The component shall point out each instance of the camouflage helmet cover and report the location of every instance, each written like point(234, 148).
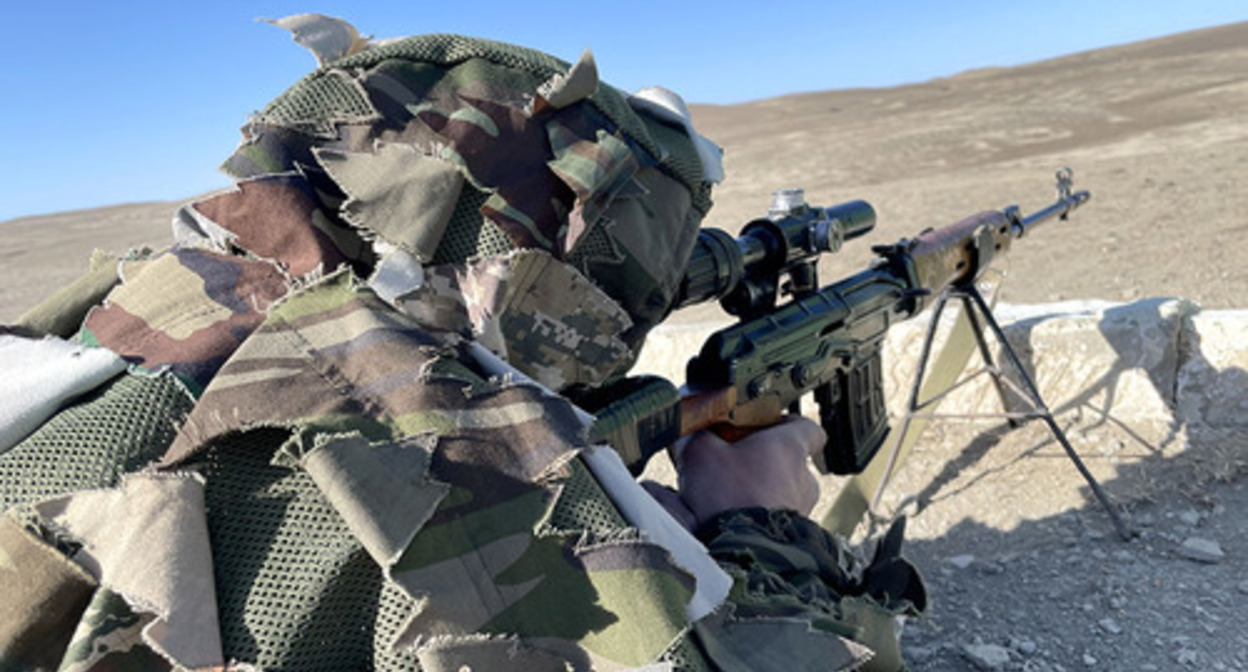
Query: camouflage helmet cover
point(506, 194)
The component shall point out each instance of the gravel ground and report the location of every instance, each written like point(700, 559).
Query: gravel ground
point(1064, 591)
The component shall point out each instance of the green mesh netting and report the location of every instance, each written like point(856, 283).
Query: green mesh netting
point(295, 590)
point(117, 428)
point(583, 506)
point(470, 233)
point(681, 160)
point(595, 245)
point(686, 656)
point(313, 104)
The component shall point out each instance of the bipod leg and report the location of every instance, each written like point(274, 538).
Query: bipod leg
point(1033, 394)
point(972, 308)
point(913, 404)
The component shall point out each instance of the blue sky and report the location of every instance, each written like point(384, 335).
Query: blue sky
point(118, 102)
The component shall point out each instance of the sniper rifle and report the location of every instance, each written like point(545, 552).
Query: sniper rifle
point(824, 341)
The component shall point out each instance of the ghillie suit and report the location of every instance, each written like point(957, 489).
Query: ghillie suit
point(274, 446)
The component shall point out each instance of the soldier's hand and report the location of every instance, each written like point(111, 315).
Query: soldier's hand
point(769, 468)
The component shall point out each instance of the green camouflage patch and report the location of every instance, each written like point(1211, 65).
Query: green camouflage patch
point(381, 490)
point(109, 638)
point(400, 194)
point(621, 572)
point(638, 252)
point(546, 319)
point(62, 313)
point(751, 645)
point(596, 171)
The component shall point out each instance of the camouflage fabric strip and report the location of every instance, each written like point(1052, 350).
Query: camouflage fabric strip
point(272, 217)
point(269, 149)
point(402, 195)
point(749, 645)
point(437, 302)
point(187, 310)
point(44, 594)
point(462, 113)
point(456, 654)
point(62, 313)
point(620, 572)
point(382, 490)
point(595, 171)
point(147, 540)
point(276, 379)
point(638, 251)
point(535, 311)
point(109, 638)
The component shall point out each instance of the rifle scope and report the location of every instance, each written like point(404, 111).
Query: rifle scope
point(744, 272)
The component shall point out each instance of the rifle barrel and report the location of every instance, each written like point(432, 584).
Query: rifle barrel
point(1066, 203)
point(1059, 209)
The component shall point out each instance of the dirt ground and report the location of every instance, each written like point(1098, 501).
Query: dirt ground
point(1024, 568)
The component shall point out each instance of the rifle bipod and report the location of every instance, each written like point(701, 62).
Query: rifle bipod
point(979, 314)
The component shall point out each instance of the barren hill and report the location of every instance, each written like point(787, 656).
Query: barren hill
point(1157, 130)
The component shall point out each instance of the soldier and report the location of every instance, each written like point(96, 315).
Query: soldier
point(324, 430)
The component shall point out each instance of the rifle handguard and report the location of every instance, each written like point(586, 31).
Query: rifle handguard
point(637, 416)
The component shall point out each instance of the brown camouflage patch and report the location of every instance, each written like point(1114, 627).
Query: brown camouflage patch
point(273, 217)
point(187, 310)
point(44, 595)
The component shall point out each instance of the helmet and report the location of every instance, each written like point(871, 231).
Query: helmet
point(495, 191)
